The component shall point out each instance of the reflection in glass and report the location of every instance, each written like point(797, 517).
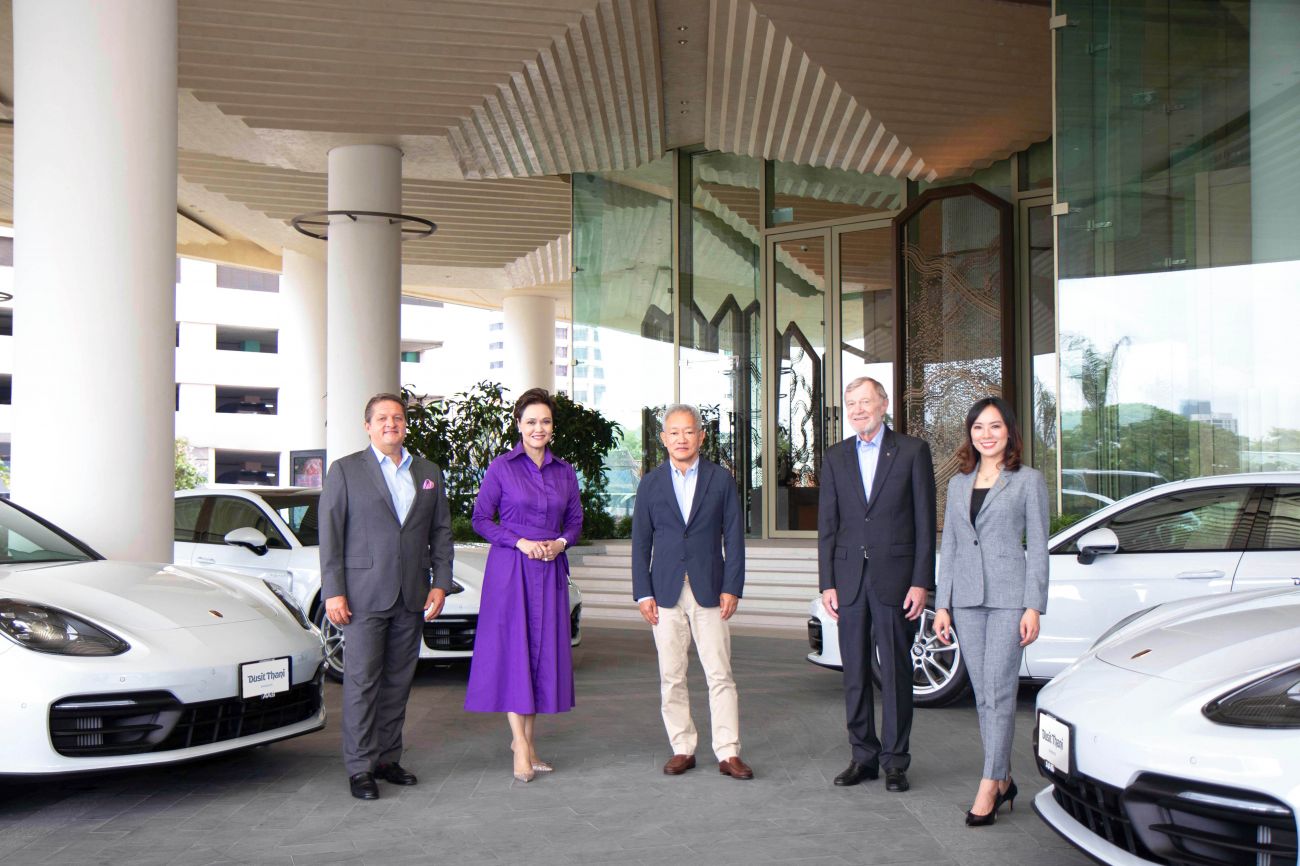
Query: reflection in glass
point(808, 194)
point(622, 309)
point(867, 307)
point(799, 359)
point(721, 317)
point(954, 253)
point(1178, 257)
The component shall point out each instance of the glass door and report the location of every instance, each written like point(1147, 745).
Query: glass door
point(832, 309)
point(799, 398)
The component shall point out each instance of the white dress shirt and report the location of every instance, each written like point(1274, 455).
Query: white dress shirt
point(401, 484)
point(868, 457)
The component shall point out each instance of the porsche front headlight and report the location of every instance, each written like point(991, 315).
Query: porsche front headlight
point(1272, 702)
point(290, 604)
point(47, 629)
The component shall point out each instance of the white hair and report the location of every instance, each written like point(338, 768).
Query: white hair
point(865, 380)
point(687, 408)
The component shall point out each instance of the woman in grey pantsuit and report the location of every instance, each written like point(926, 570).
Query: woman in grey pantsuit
point(994, 587)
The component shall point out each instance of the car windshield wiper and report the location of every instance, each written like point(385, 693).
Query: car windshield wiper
point(12, 561)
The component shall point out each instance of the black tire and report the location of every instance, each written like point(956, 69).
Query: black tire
point(938, 671)
point(333, 644)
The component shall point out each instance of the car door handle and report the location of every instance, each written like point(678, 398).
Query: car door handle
point(205, 560)
point(1199, 575)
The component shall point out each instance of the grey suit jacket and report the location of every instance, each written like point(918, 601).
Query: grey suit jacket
point(985, 564)
point(369, 556)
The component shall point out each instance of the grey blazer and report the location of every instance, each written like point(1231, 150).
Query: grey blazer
point(365, 553)
point(984, 565)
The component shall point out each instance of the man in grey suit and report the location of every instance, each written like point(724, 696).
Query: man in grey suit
point(385, 528)
point(875, 564)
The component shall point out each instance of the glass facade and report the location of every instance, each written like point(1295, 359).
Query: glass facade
point(623, 311)
point(803, 194)
point(1179, 285)
point(721, 314)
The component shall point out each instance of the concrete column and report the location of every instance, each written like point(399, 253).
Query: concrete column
point(1274, 101)
point(302, 353)
point(530, 343)
point(95, 298)
point(363, 302)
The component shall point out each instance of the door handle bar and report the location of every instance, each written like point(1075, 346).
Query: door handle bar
point(1199, 575)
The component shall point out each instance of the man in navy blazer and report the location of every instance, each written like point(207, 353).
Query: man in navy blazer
point(875, 565)
point(688, 573)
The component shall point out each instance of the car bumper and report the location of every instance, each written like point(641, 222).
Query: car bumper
point(1080, 836)
point(823, 638)
point(180, 682)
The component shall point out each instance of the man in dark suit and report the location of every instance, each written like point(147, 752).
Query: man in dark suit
point(875, 564)
point(687, 512)
point(385, 528)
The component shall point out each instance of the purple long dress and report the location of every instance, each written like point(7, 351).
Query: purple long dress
point(523, 662)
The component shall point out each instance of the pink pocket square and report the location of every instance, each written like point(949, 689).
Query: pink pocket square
point(428, 484)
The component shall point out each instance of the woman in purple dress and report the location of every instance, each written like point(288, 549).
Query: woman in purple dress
point(528, 508)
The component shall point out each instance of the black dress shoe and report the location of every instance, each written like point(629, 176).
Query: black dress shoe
point(363, 786)
point(973, 820)
point(395, 773)
point(896, 780)
point(856, 773)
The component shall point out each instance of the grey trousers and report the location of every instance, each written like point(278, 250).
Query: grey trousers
point(990, 643)
point(380, 654)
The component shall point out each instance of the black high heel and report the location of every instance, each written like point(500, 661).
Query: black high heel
point(973, 820)
point(1008, 796)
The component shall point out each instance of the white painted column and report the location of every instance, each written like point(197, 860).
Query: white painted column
point(302, 353)
point(363, 302)
point(94, 295)
point(530, 343)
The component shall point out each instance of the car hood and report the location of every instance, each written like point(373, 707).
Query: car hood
point(137, 596)
point(1208, 642)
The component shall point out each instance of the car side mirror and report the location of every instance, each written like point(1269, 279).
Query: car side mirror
point(1097, 542)
point(248, 538)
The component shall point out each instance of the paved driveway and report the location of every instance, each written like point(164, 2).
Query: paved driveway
point(607, 802)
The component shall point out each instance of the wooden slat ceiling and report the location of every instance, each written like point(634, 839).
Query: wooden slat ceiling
point(495, 102)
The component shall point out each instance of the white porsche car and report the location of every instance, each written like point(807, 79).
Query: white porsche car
point(120, 664)
point(1176, 739)
point(271, 533)
point(1205, 536)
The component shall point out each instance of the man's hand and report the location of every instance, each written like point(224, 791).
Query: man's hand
point(728, 604)
point(914, 604)
point(650, 611)
point(831, 603)
point(337, 610)
point(433, 605)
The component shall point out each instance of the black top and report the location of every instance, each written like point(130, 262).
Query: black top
point(977, 495)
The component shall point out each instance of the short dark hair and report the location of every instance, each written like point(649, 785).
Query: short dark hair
point(532, 397)
point(383, 398)
point(969, 455)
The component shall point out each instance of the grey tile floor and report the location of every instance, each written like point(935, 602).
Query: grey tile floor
point(607, 802)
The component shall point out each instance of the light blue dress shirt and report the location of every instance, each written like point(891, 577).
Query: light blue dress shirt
point(401, 484)
point(868, 457)
point(684, 487)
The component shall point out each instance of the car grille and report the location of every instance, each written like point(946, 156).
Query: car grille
point(575, 622)
point(132, 723)
point(815, 634)
point(1180, 822)
point(451, 633)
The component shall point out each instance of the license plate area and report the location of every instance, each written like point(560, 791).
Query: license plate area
point(1055, 743)
point(263, 679)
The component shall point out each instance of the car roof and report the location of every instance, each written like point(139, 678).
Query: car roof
point(249, 490)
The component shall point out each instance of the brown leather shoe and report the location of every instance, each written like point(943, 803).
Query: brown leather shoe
point(735, 768)
point(679, 764)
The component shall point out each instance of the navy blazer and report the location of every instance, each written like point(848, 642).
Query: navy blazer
point(895, 530)
point(666, 548)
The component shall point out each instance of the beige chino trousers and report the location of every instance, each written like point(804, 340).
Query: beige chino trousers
point(677, 625)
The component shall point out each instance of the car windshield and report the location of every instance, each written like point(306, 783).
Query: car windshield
point(23, 538)
point(298, 510)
